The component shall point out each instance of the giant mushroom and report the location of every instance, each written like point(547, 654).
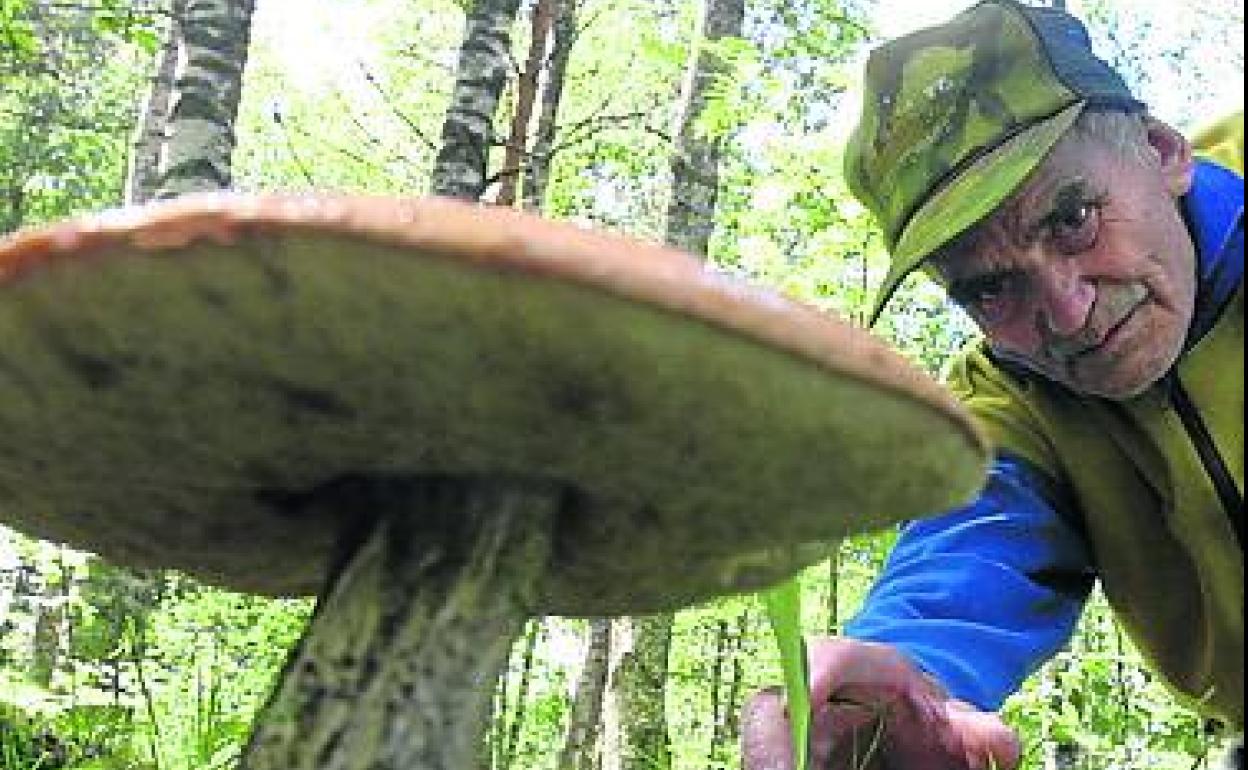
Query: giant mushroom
point(441, 419)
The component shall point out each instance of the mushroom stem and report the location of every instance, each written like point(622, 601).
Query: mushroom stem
point(399, 663)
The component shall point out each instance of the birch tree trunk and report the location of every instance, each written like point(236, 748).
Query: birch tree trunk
point(641, 676)
point(639, 687)
point(468, 132)
point(51, 639)
point(512, 736)
point(584, 723)
point(215, 35)
point(143, 176)
point(695, 165)
point(725, 734)
point(537, 171)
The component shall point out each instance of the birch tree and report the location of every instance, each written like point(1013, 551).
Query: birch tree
point(143, 174)
point(215, 36)
point(468, 132)
point(584, 724)
point(695, 162)
point(640, 677)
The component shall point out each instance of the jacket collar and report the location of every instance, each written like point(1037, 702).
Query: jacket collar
point(1214, 210)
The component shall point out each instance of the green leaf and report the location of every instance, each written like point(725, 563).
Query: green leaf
point(784, 612)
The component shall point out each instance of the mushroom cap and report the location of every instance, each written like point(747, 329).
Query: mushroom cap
point(173, 376)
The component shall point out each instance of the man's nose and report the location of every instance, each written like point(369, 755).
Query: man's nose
point(1065, 299)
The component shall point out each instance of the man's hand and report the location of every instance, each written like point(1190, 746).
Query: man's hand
point(874, 711)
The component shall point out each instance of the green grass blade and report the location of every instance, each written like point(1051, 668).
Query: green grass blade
point(784, 612)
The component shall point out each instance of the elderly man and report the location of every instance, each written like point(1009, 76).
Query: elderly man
point(1104, 265)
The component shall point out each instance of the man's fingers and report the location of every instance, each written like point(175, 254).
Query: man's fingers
point(987, 741)
point(766, 742)
point(945, 735)
point(843, 735)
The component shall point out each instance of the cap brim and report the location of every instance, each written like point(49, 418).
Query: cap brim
point(971, 196)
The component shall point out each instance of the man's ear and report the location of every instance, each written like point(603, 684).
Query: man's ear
point(1174, 156)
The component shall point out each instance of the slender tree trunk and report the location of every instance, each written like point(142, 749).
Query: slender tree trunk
point(537, 171)
point(468, 132)
point(717, 691)
point(143, 176)
point(516, 152)
point(725, 733)
point(642, 674)
point(640, 688)
point(197, 157)
point(834, 591)
point(732, 724)
point(515, 727)
point(49, 642)
point(583, 724)
point(695, 166)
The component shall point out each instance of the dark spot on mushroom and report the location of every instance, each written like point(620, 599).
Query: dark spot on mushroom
point(574, 512)
point(315, 400)
point(98, 372)
point(582, 399)
point(213, 297)
point(277, 278)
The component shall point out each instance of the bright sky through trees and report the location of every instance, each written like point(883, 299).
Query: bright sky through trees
point(319, 45)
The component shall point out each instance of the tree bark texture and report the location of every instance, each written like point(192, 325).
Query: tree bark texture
point(208, 86)
point(516, 152)
point(642, 674)
point(583, 724)
point(468, 131)
point(537, 171)
point(143, 177)
point(640, 688)
point(695, 158)
point(51, 638)
point(726, 733)
point(398, 666)
point(514, 733)
point(834, 592)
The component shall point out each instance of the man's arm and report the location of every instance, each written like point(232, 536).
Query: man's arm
point(968, 605)
point(981, 597)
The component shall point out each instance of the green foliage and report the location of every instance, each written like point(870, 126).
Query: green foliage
point(23, 742)
point(75, 737)
point(66, 106)
point(210, 661)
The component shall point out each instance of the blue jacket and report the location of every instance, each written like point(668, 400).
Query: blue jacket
point(982, 596)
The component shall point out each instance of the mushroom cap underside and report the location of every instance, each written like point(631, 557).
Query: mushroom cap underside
point(173, 377)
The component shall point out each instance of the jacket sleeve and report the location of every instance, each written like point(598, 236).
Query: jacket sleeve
point(982, 596)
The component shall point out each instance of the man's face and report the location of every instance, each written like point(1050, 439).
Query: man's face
point(1087, 274)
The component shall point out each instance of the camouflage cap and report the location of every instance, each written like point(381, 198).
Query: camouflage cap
point(956, 116)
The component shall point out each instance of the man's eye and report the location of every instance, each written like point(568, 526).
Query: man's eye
point(1074, 228)
point(988, 299)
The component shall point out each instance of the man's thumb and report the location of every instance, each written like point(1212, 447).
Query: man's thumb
point(988, 742)
point(766, 743)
